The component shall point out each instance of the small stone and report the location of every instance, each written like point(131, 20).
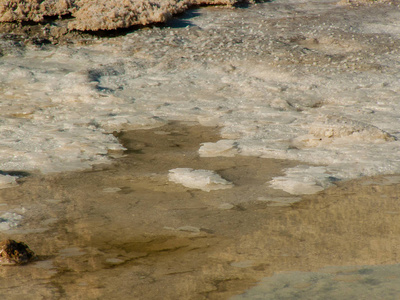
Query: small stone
point(15, 253)
point(205, 180)
point(114, 261)
point(226, 206)
point(189, 229)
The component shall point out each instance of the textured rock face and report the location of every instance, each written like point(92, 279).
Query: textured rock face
point(33, 10)
point(100, 15)
point(113, 14)
point(12, 252)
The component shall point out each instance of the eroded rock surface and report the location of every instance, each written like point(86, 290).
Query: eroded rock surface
point(15, 253)
point(100, 15)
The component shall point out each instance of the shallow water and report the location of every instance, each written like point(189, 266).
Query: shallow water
point(125, 230)
point(281, 99)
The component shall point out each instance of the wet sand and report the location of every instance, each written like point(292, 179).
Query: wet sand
point(124, 231)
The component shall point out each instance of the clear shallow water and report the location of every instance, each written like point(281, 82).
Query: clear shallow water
point(359, 282)
point(126, 230)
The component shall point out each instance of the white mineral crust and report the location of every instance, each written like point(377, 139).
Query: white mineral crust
point(204, 180)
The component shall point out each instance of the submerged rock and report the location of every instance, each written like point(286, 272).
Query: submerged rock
point(204, 180)
point(15, 253)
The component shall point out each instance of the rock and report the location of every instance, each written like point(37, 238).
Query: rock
point(101, 14)
point(15, 253)
point(33, 10)
point(337, 130)
point(204, 180)
point(189, 229)
point(227, 148)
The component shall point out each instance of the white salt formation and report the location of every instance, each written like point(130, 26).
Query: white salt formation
point(9, 220)
point(337, 130)
point(302, 180)
point(33, 10)
point(225, 148)
point(204, 180)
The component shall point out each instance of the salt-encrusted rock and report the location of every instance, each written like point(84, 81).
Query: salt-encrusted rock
point(205, 180)
point(227, 148)
point(113, 14)
point(33, 10)
point(15, 253)
point(9, 220)
point(302, 180)
point(101, 14)
point(338, 130)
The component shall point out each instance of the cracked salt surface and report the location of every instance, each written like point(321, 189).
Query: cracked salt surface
point(285, 79)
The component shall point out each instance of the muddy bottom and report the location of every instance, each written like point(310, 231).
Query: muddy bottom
point(124, 231)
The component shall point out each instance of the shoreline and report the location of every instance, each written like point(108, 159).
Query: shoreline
point(53, 26)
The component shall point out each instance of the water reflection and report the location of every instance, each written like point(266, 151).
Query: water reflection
point(124, 230)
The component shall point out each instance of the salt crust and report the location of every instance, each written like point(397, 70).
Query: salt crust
point(204, 180)
point(9, 220)
point(302, 180)
point(337, 130)
point(56, 105)
point(227, 148)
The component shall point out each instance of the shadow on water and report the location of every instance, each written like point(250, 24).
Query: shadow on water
point(18, 174)
point(182, 20)
point(178, 21)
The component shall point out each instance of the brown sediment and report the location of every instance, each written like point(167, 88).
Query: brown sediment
point(126, 231)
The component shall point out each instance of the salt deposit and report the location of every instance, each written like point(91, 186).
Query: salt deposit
point(204, 180)
point(221, 148)
point(303, 180)
point(285, 80)
point(9, 220)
